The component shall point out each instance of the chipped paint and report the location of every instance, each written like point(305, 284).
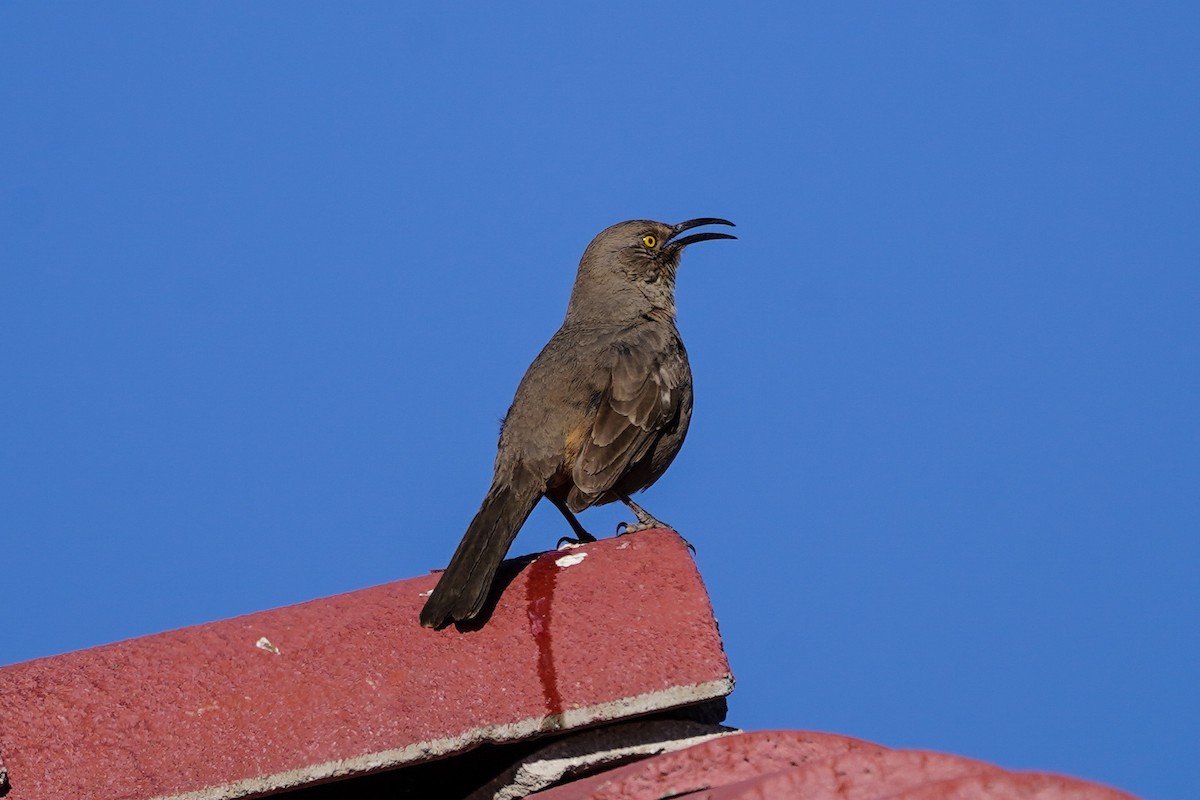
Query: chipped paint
point(570, 561)
point(536, 775)
point(569, 545)
point(265, 644)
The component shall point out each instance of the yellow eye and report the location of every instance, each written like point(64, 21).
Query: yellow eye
point(649, 240)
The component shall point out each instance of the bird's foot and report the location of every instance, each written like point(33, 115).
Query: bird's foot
point(624, 529)
point(583, 537)
point(567, 541)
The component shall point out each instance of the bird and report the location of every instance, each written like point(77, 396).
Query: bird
point(599, 414)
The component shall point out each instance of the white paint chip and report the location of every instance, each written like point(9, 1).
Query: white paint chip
point(265, 644)
point(571, 560)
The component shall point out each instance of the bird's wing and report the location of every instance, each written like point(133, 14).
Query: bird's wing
point(647, 372)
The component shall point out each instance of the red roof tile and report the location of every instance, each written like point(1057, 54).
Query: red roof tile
point(353, 684)
point(815, 766)
point(1013, 786)
point(727, 758)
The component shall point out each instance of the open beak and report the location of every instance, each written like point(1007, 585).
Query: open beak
point(678, 244)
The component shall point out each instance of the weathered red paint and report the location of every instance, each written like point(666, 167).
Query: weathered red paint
point(725, 759)
point(1014, 786)
point(816, 766)
point(351, 684)
point(855, 775)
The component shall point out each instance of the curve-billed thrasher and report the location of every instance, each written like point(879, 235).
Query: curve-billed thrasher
point(600, 413)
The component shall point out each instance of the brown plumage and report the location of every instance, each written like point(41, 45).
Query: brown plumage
point(601, 412)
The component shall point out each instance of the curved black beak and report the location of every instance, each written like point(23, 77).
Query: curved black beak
point(679, 244)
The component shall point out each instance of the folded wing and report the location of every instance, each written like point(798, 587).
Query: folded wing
point(642, 399)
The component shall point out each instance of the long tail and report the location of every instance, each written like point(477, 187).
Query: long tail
point(461, 592)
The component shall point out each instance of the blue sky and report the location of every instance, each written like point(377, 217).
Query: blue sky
point(271, 275)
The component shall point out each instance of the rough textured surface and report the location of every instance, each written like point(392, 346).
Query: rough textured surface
point(855, 776)
point(729, 758)
point(816, 766)
point(595, 750)
point(1013, 786)
point(719, 761)
point(351, 684)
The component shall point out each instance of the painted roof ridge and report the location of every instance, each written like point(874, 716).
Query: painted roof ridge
point(352, 684)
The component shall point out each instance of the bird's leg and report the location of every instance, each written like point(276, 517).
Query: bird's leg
point(583, 536)
point(645, 522)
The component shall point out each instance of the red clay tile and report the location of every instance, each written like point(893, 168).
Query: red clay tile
point(736, 756)
point(816, 766)
point(1013, 786)
point(353, 684)
point(852, 776)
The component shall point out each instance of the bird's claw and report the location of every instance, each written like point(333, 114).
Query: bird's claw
point(567, 541)
point(624, 529)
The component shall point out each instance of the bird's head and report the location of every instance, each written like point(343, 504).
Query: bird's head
point(631, 266)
